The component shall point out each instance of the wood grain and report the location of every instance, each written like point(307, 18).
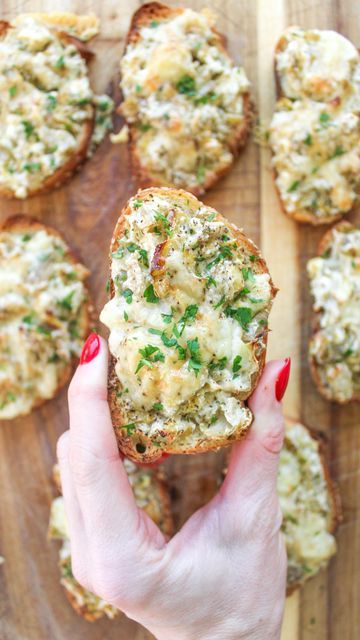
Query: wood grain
point(32, 605)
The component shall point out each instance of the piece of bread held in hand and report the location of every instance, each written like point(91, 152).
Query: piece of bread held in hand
point(309, 502)
point(315, 131)
point(45, 314)
point(334, 348)
point(186, 104)
point(188, 320)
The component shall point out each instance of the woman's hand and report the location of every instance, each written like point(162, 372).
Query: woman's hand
point(223, 575)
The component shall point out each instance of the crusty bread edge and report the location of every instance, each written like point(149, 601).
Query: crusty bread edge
point(301, 216)
point(153, 453)
point(79, 155)
point(333, 490)
point(140, 18)
point(24, 224)
point(324, 244)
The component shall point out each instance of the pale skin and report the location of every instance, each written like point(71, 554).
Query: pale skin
point(223, 575)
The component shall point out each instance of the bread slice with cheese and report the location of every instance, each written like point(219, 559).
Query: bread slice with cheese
point(151, 494)
point(49, 113)
point(45, 314)
point(315, 131)
point(188, 320)
point(334, 348)
point(186, 104)
point(309, 502)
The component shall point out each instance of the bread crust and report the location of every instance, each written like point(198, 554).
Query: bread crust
point(333, 490)
point(79, 155)
point(301, 215)
point(145, 179)
point(25, 224)
point(324, 244)
point(127, 442)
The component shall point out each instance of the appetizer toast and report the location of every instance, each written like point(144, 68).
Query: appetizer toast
point(334, 348)
point(188, 315)
point(45, 314)
point(315, 131)
point(186, 104)
point(49, 113)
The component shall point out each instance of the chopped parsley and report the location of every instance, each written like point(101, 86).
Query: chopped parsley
point(187, 86)
point(128, 295)
point(187, 318)
point(248, 274)
point(294, 185)
point(154, 24)
point(126, 317)
point(150, 354)
point(60, 63)
point(26, 237)
point(66, 303)
point(150, 295)
point(218, 364)
point(308, 140)
point(10, 397)
point(224, 252)
point(137, 203)
point(51, 102)
point(339, 151)
point(167, 317)
point(168, 342)
point(12, 91)
point(348, 353)
point(220, 303)
point(208, 97)
point(144, 127)
point(43, 330)
point(181, 352)
point(211, 217)
point(324, 119)
point(242, 315)
point(194, 363)
point(31, 167)
point(200, 173)
point(28, 128)
point(130, 428)
point(159, 217)
point(158, 406)
point(210, 281)
point(253, 258)
point(29, 319)
point(236, 366)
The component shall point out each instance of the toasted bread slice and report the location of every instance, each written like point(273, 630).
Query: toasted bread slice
point(315, 130)
point(334, 348)
point(187, 124)
point(45, 314)
point(190, 298)
point(44, 65)
point(309, 501)
point(151, 494)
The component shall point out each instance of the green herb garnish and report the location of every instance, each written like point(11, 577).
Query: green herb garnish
point(218, 364)
point(294, 185)
point(194, 363)
point(150, 354)
point(236, 366)
point(128, 295)
point(186, 86)
point(150, 295)
point(159, 217)
point(66, 303)
point(158, 406)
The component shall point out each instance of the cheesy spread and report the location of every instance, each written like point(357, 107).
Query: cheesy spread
point(184, 98)
point(315, 131)
point(147, 496)
point(188, 319)
point(335, 285)
point(306, 505)
point(43, 317)
point(46, 104)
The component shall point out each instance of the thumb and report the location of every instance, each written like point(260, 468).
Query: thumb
point(253, 464)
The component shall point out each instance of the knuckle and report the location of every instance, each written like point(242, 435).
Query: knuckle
point(272, 438)
point(82, 391)
point(83, 465)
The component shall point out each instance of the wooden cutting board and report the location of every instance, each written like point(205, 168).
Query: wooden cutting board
point(32, 603)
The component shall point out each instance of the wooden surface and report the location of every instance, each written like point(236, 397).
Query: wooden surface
point(32, 604)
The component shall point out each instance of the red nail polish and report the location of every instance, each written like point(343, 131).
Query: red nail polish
point(282, 380)
point(90, 349)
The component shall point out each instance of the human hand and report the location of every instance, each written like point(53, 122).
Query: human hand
point(223, 575)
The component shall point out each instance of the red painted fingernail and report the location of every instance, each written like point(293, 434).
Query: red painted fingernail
point(90, 349)
point(282, 380)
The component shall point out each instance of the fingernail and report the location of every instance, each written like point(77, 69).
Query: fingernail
point(282, 380)
point(90, 349)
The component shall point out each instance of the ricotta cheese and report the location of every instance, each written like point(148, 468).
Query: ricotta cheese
point(335, 286)
point(184, 98)
point(315, 131)
point(306, 505)
point(188, 319)
point(43, 317)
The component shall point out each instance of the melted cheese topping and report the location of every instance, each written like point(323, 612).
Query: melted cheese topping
point(185, 98)
point(305, 503)
point(321, 65)
point(335, 285)
point(43, 317)
point(147, 496)
point(46, 103)
point(187, 321)
point(315, 131)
